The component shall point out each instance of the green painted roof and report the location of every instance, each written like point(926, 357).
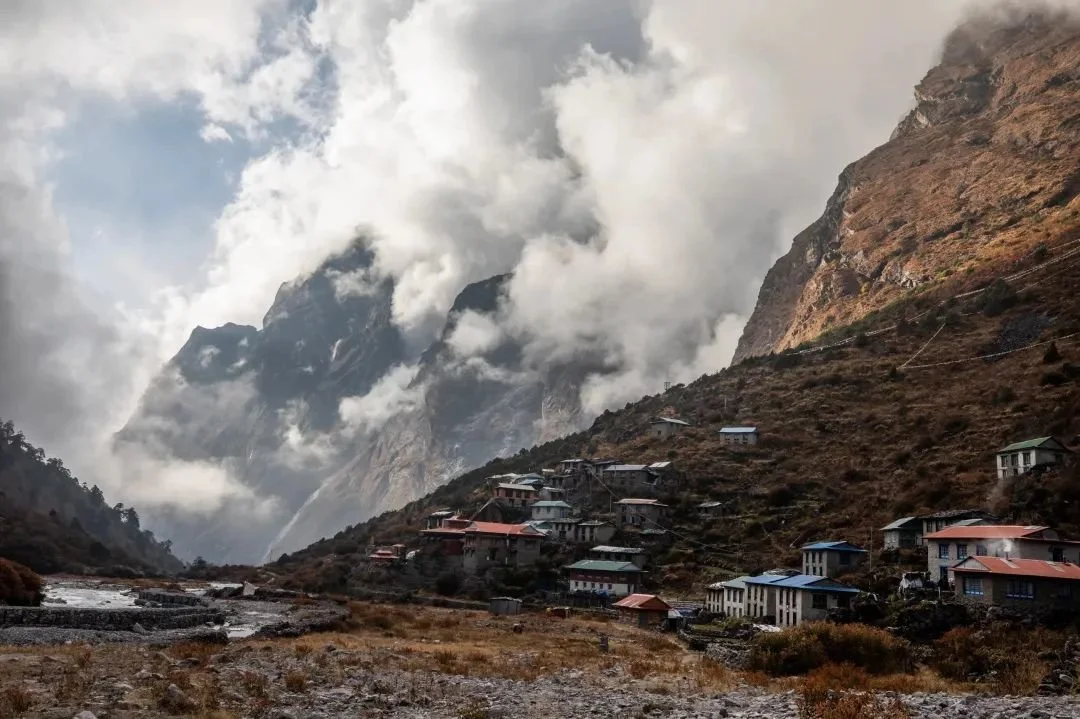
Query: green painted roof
point(1029, 444)
point(598, 565)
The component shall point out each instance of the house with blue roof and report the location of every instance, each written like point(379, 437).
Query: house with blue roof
point(727, 598)
point(808, 598)
point(739, 435)
point(831, 559)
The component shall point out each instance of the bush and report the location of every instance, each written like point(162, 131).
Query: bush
point(1010, 656)
point(997, 298)
point(1051, 356)
point(810, 646)
point(19, 586)
point(448, 584)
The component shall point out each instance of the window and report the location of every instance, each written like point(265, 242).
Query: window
point(961, 551)
point(973, 586)
point(980, 550)
point(819, 601)
point(943, 551)
point(1057, 554)
point(1020, 589)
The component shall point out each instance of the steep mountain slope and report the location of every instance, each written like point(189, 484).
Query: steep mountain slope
point(982, 171)
point(51, 523)
point(943, 342)
point(265, 403)
point(467, 411)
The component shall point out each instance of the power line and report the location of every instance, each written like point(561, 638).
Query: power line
point(920, 351)
point(994, 354)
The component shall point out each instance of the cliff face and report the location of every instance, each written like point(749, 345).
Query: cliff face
point(984, 169)
point(266, 405)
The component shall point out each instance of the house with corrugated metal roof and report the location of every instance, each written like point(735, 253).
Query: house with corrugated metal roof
point(604, 577)
point(903, 533)
point(620, 554)
point(1022, 457)
point(952, 545)
point(1018, 583)
point(739, 435)
point(808, 598)
point(665, 427)
point(644, 610)
point(495, 544)
point(640, 512)
point(831, 559)
point(550, 509)
point(515, 495)
point(937, 521)
point(727, 598)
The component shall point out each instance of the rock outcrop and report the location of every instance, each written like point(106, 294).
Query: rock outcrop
point(980, 173)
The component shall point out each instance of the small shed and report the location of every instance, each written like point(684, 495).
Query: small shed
point(504, 606)
point(739, 435)
point(644, 610)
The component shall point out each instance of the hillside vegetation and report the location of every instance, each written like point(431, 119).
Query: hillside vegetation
point(51, 522)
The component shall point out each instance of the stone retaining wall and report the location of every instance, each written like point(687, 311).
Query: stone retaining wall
point(113, 620)
point(171, 599)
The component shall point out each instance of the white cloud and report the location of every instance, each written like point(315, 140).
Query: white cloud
point(392, 395)
point(475, 334)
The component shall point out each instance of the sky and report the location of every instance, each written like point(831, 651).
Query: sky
point(637, 164)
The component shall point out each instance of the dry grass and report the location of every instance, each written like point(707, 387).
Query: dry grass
point(296, 681)
point(15, 700)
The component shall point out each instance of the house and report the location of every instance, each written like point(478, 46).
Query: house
point(952, 545)
point(562, 528)
point(448, 538)
point(435, 519)
point(643, 610)
point(552, 493)
point(641, 513)
point(570, 466)
point(903, 533)
point(613, 578)
point(665, 427)
point(620, 554)
point(727, 598)
point(1018, 583)
point(939, 520)
point(808, 597)
point(1021, 457)
point(593, 531)
point(550, 509)
point(831, 559)
point(516, 495)
point(739, 435)
point(388, 555)
point(620, 476)
point(759, 600)
point(494, 544)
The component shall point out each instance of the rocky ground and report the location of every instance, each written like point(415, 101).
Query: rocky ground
point(391, 661)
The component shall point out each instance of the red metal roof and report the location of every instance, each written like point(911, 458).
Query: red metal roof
point(498, 528)
point(986, 532)
point(643, 602)
point(1020, 568)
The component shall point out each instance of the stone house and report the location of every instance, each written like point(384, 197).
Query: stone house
point(516, 495)
point(666, 427)
point(593, 531)
point(611, 578)
point(625, 476)
point(831, 559)
point(619, 554)
point(952, 545)
point(739, 435)
point(1021, 457)
point(806, 598)
point(939, 520)
point(640, 513)
point(550, 509)
point(643, 610)
point(1018, 583)
point(489, 544)
point(727, 598)
point(903, 533)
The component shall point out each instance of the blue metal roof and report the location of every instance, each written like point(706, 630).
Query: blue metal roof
point(804, 581)
point(835, 547)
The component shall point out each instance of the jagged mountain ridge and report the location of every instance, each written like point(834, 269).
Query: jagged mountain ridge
point(241, 396)
point(980, 172)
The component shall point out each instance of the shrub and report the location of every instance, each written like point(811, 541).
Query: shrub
point(1004, 395)
point(1055, 379)
point(19, 586)
point(810, 646)
point(296, 681)
point(997, 298)
point(1051, 355)
point(1010, 656)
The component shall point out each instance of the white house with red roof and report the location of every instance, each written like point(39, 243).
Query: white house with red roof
point(1019, 583)
point(950, 546)
point(489, 544)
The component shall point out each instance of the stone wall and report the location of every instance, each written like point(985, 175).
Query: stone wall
point(171, 599)
point(114, 620)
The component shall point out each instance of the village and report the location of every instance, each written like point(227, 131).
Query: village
point(580, 505)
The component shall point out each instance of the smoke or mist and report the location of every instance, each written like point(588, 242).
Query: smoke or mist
point(638, 165)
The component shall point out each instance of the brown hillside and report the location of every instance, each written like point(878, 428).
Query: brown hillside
point(984, 170)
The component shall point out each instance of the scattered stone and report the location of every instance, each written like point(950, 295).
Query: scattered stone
point(85, 715)
point(176, 701)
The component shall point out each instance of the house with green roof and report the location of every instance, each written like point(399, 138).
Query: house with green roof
point(598, 576)
point(1021, 457)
